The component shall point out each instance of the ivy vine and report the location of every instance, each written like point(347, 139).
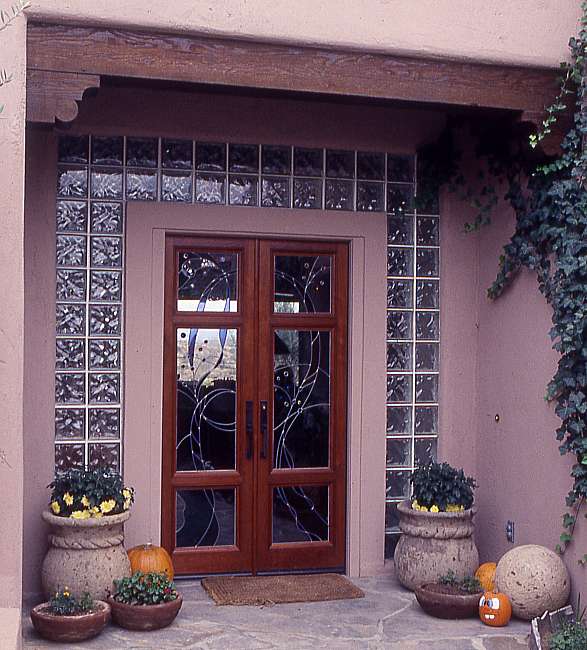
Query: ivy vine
point(549, 199)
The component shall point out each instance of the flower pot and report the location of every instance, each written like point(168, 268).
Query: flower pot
point(433, 544)
point(85, 554)
point(145, 617)
point(70, 629)
point(442, 602)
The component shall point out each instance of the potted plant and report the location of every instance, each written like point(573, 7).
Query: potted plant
point(86, 514)
point(68, 619)
point(450, 597)
point(144, 601)
point(437, 526)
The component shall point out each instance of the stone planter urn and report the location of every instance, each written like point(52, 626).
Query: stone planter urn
point(85, 554)
point(433, 544)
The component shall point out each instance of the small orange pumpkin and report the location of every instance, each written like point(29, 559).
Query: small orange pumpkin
point(149, 558)
point(486, 575)
point(495, 609)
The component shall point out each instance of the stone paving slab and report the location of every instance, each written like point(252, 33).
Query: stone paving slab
point(388, 618)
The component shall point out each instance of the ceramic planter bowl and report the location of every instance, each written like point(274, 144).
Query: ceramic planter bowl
point(432, 544)
point(434, 600)
point(145, 617)
point(70, 629)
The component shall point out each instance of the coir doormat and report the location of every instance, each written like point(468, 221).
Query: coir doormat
point(270, 590)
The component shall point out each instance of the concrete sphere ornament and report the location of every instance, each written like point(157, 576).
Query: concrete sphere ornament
point(535, 579)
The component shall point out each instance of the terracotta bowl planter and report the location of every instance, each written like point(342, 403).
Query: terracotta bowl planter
point(145, 617)
point(70, 629)
point(432, 544)
point(441, 602)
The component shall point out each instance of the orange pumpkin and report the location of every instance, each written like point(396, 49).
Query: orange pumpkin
point(149, 558)
point(495, 609)
point(486, 575)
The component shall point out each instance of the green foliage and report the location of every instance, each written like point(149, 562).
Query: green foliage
point(64, 603)
point(144, 589)
point(572, 636)
point(468, 584)
point(439, 484)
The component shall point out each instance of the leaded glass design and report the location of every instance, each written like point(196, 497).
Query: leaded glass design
point(300, 514)
point(207, 282)
point(205, 518)
point(302, 284)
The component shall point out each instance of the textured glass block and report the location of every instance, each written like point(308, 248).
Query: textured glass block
point(275, 192)
point(107, 150)
point(340, 164)
point(391, 541)
point(399, 325)
point(399, 293)
point(104, 354)
point(141, 185)
point(107, 455)
point(427, 231)
point(427, 356)
point(275, 159)
point(400, 169)
point(210, 188)
point(399, 452)
point(371, 166)
point(106, 285)
point(141, 152)
point(397, 484)
point(72, 181)
point(400, 230)
point(71, 216)
point(70, 250)
point(400, 199)
point(73, 149)
point(71, 285)
point(399, 420)
point(308, 162)
point(428, 202)
point(243, 158)
point(243, 190)
point(177, 154)
point(105, 319)
point(399, 261)
point(70, 319)
point(69, 388)
point(427, 294)
point(427, 263)
point(307, 193)
point(106, 184)
point(425, 450)
point(68, 457)
point(69, 354)
point(339, 195)
point(69, 424)
point(210, 156)
point(426, 388)
point(106, 217)
point(106, 251)
point(104, 388)
point(399, 356)
point(399, 388)
point(104, 423)
point(176, 186)
point(370, 196)
point(427, 325)
point(426, 420)
point(391, 516)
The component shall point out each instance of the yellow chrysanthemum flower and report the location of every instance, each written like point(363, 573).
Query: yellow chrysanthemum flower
point(68, 498)
point(80, 514)
point(126, 504)
point(55, 507)
point(66, 594)
point(434, 508)
point(85, 501)
point(423, 509)
point(107, 506)
point(126, 493)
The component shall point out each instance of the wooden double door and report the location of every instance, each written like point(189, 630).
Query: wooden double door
point(255, 392)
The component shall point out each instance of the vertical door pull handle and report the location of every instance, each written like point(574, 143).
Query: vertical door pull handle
point(264, 429)
point(249, 428)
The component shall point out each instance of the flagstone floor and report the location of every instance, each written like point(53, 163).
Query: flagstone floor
point(387, 618)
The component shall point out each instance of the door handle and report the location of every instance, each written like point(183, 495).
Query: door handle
point(249, 428)
point(264, 429)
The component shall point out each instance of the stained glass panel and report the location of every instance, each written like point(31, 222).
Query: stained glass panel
point(205, 518)
point(207, 282)
point(302, 284)
point(300, 514)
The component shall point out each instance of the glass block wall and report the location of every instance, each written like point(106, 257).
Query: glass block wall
point(98, 175)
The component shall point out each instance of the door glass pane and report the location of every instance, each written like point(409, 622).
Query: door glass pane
point(300, 514)
point(206, 399)
point(207, 282)
point(205, 517)
point(301, 399)
point(302, 284)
